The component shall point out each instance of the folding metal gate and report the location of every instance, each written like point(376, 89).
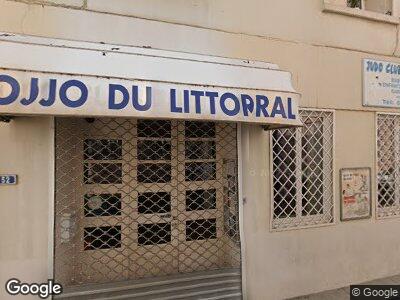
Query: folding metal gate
point(143, 198)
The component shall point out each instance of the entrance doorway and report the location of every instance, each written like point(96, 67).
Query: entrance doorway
point(144, 198)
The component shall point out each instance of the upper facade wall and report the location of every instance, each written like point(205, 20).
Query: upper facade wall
point(300, 21)
point(297, 21)
point(323, 50)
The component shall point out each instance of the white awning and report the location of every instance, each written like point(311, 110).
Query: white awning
point(40, 76)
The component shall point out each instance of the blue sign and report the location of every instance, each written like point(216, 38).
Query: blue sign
point(39, 93)
point(8, 179)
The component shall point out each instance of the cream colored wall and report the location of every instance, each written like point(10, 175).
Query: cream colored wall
point(26, 150)
point(382, 6)
point(324, 52)
point(202, 26)
point(325, 63)
point(297, 262)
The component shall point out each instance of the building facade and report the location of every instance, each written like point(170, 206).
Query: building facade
point(262, 203)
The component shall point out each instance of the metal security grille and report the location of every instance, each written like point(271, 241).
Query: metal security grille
point(144, 198)
point(388, 166)
point(302, 173)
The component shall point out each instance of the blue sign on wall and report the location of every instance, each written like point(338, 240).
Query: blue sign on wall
point(8, 179)
point(55, 94)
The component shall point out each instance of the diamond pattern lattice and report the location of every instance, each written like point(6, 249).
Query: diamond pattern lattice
point(144, 198)
point(302, 163)
point(388, 164)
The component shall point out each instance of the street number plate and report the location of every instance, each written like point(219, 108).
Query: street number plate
point(8, 179)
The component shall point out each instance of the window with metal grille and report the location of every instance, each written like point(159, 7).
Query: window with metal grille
point(302, 172)
point(103, 149)
point(382, 6)
point(196, 129)
point(102, 161)
point(202, 229)
point(388, 166)
point(103, 173)
point(153, 234)
point(154, 128)
point(200, 151)
point(144, 198)
point(201, 199)
point(154, 172)
point(103, 237)
point(154, 151)
point(102, 205)
point(154, 203)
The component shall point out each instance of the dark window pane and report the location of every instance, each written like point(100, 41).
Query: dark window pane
point(200, 171)
point(386, 188)
point(201, 199)
point(153, 234)
point(148, 173)
point(387, 154)
point(312, 167)
point(354, 3)
point(103, 149)
point(154, 203)
point(202, 229)
point(103, 173)
point(154, 128)
point(284, 173)
point(195, 129)
point(200, 149)
point(154, 150)
point(104, 237)
point(102, 205)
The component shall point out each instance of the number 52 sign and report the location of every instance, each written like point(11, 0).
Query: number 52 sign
point(8, 179)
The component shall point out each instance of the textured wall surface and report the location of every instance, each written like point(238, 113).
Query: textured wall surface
point(25, 214)
point(324, 52)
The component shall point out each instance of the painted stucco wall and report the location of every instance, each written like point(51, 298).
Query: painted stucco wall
point(26, 149)
point(324, 52)
point(303, 261)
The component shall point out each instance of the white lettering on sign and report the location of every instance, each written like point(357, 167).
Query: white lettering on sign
point(8, 179)
point(39, 93)
point(381, 83)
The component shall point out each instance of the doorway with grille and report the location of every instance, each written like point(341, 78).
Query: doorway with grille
point(144, 198)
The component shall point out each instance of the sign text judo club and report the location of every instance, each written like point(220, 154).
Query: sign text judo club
point(381, 83)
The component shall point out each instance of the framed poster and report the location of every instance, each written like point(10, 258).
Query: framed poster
point(355, 188)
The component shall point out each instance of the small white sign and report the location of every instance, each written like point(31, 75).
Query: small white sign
point(381, 83)
point(8, 179)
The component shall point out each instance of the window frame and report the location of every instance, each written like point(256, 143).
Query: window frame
point(363, 8)
point(343, 9)
point(272, 225)
point(396, 190)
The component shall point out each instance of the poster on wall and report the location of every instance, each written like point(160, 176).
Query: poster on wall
point(355, 187)
point(381, 83)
